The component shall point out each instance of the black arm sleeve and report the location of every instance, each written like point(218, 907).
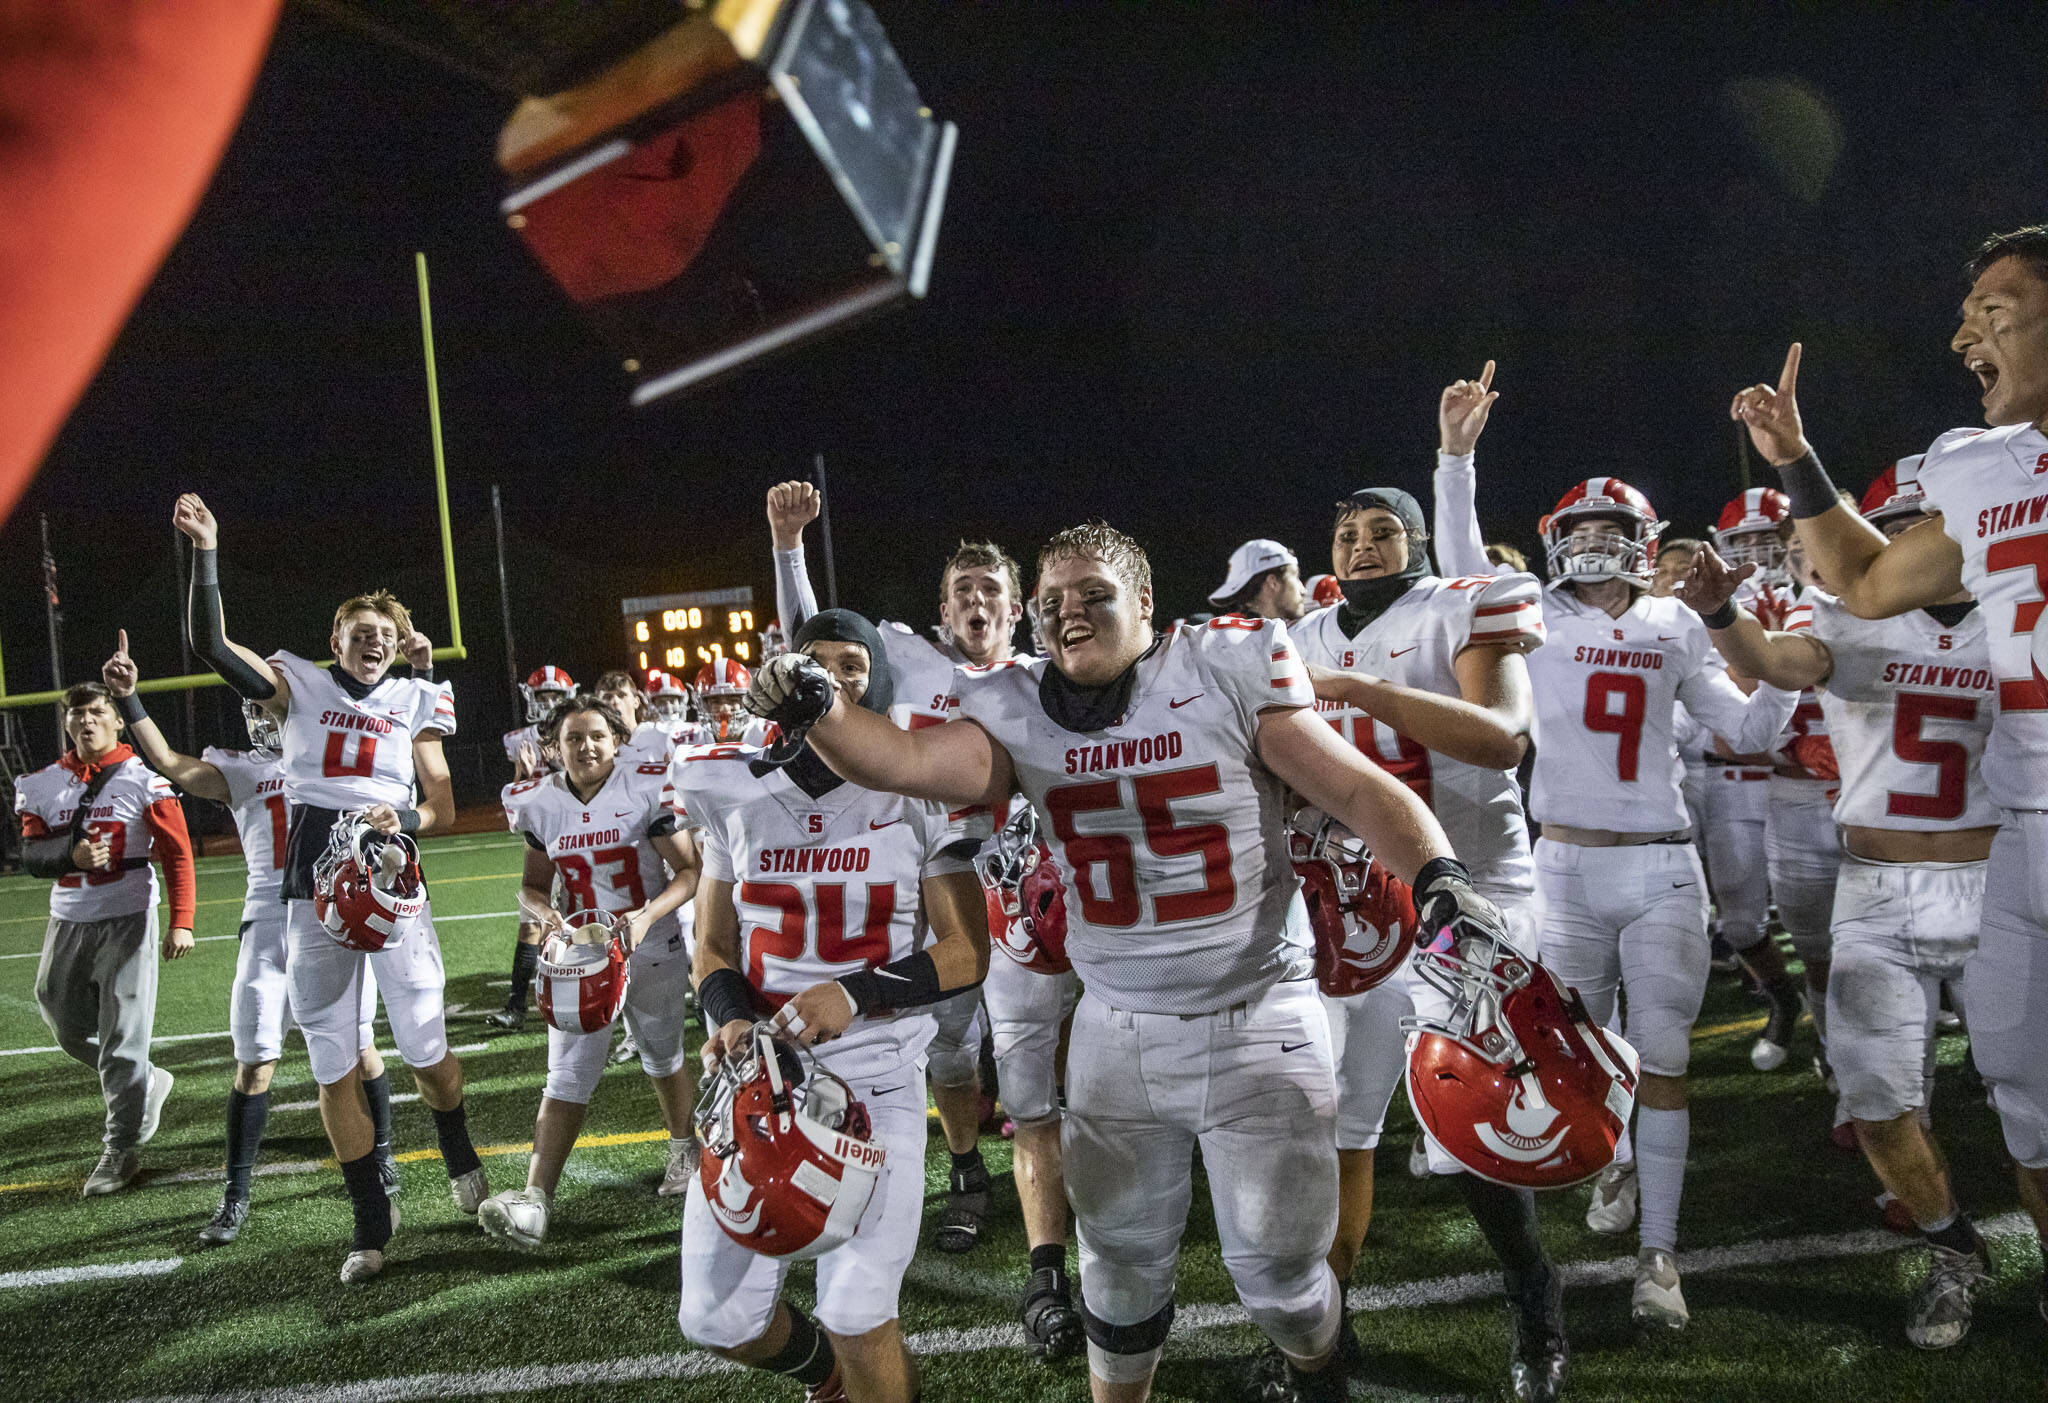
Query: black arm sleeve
point(906, 983)
point(209, 632)
point(724, 997)
point(47, 857)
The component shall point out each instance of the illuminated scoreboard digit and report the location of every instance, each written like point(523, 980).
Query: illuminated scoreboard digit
point(679, 633)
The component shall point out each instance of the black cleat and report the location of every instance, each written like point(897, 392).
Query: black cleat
point(509, 1018)
point(966, 1207)
point(1052, 1327)
point(1268, 1379)
point(1329, 1384)
point(227, 1221)
point(1537, 1352)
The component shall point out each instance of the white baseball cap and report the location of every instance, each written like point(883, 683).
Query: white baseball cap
point(1251, 559)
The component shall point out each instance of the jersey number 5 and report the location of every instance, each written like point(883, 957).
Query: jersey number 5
point(1113, 853)
point(1951, 760)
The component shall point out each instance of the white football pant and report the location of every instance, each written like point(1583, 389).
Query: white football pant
point(327, 982)
point(655, 1016)
point(1804, 849)
point(1253, 1084)
point(1901, 930)
point(730, 1291)
point(2005, 985)
point(954, 1053)
point(1025, 1010)
point(1736, 801)
point(259, 1004)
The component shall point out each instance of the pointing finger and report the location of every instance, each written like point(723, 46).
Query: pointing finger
point(1788, 379)
point(1486, 377)
point(122, 647)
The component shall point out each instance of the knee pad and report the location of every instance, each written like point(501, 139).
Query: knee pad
point(1148, 1336)
point(712, 1321)
point(1663, 1044)
point(1025, 1080)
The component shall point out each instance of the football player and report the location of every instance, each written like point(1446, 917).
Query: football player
point(1158, 766)
point(356, 741)
point(93, 820)
point(1983, 490)
point(1263, 582)
point(1909, 702)
point(722, 717)
point(1427, 677)
point(547, 688)
point(251, 783)
point(669, 701)
point(603, 827)
point(980, 606)
point(1624, 899)
point(651, 741)
point(776, 932)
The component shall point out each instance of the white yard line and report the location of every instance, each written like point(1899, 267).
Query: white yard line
point(402, 1098)
point(199, 940)
point(203, 1176)
point(1441, 1290)
point(59, 1276)
point(153, 1042)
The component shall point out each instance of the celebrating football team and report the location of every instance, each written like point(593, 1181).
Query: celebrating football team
point(1212, 887)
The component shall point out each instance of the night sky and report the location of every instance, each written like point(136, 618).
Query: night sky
point(1201, 273)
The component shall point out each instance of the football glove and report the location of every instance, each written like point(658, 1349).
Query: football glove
point(794, 692)
point(1450, 909)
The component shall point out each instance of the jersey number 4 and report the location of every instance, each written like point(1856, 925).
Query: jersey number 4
point(1113, 853)
point(789, 938)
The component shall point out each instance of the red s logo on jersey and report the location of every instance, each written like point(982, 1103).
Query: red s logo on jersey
point(817, 822)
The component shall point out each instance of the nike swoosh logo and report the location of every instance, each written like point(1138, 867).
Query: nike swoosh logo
point(1177, 705)
point(1676, 885)
point(891, 974)
point(1409, 649)
point(623, 813)
point(1667, 638)
point(883, 1090)
point(1292, 1047)
point(890, 824)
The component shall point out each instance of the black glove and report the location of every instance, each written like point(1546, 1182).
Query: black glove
point(794, 692)
point(1447, 905)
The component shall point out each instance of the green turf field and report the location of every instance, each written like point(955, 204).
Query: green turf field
point(1798, 1297)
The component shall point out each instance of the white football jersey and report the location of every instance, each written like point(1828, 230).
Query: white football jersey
point(256, 799)
point(1606, 693)
point(652, 742)
point(515, 741)
point(1168, 828)
point(824, 886)
point(46, 801)
point(923, 673)
point(1415, 644)
point(340, 753)
point(1909, 704)
point(1991, 488)
point(603, 850)
point(752, 732)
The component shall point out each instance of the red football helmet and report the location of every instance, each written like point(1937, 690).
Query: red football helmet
point(1896, 493)
point(669, 698)
point(1026, 897)
point(1323, 591)
point(1362, 914)
point(583, 973)
point(1518, 1084)
point(1750, 532)
point(546, 689)
point(788, 1166)
point(1632, 556)
point(367, 885)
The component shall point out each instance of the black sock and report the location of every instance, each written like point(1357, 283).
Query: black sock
point(970, 1175)
point(246, 1115)
point(452, 1129)
point(807, 1356)
point(1508, 1219)
point(366, 1196)
point(1050, 1256)
point(377, 1091)
point(1959, 1236)
point(525, 960)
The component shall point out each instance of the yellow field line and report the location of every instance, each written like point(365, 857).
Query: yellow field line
point(237, 901)
point(1740, 1025)
point(583, 1142)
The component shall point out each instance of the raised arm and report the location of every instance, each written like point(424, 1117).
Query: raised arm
point(1874, 578)
point(1461, 416)
point(1488, 725)
point(1395, 824)
point(1787, 660)
point(243, 669)
point(791, 507)
point(955, 764)
point(192, 776)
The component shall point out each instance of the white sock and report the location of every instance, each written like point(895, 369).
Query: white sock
point(1662, 1138)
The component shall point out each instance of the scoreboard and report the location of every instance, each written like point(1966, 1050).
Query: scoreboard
point(679, 633)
